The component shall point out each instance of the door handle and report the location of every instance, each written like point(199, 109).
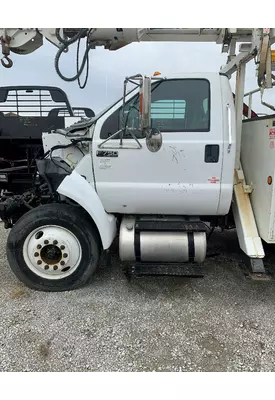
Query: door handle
point(211, 153)
point(229, 128)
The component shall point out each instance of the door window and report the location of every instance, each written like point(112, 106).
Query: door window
point(179, 105)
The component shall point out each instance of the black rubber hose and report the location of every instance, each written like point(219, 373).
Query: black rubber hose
point(65, 45)
point(79, 72)
point(73, 39)
point(77, 66)
point(82, 86)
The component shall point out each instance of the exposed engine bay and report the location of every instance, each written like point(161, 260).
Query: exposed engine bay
point(62, 152)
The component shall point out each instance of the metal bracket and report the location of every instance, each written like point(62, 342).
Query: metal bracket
point(49, 34)
point(256, 269)
point(221, 36)
point(140, 33)
point(246, 188)
point(232, 50)
point(5, 42)
point(263, 102)
point(120, 146)
point(263, 55)
point(232, 66)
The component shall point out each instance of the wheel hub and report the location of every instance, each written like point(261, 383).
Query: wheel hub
point(52, 252)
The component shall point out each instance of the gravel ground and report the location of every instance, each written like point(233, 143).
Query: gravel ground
point(223, 322)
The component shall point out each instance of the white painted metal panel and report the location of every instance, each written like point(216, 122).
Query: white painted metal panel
point(229, 146)
point(258, 161)
point(175, 180)
point(75, 187)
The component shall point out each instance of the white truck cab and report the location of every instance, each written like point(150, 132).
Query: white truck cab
point(157, 200)
point(192, 173)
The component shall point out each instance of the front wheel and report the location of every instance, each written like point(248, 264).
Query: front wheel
point(54, 248)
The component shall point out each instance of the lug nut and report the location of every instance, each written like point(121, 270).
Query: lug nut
point(36, 254)
point(39, 246)
point(65, 255)
point(62, 262)
point(46, 267)
point(62, 247)
point(46, 242)
point(55, 242)
point(55, 267)
point(39, 262)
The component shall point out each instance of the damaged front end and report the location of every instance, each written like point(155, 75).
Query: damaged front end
point(13, 207)
point(49, 175)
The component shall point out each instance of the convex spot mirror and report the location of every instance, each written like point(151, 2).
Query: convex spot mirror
point(154, 140)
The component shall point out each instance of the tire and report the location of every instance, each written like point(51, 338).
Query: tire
point(54, 248)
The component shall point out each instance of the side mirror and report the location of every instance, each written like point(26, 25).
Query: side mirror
point(153, 136)
point(145, 104)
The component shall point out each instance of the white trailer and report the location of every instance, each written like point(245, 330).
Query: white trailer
point(171, 158)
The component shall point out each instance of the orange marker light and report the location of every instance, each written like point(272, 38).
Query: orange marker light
point(269, 180)
point(157, 73)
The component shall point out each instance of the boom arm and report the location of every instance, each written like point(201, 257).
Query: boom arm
point(256, 43)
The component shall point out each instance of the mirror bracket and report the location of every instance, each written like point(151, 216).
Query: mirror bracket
point(153, 136)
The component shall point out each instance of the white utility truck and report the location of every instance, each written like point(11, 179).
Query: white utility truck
point(160, 168)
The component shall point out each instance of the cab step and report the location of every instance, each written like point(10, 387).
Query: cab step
point(170, 269)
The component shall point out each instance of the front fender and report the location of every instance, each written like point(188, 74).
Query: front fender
point(75, 187)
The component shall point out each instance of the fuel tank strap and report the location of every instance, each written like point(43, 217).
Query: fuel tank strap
point(191, 246)
point(137, 245)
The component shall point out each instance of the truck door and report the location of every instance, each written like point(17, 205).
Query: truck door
point(184, 176)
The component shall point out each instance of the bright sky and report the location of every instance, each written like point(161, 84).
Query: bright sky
point(108, 69)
